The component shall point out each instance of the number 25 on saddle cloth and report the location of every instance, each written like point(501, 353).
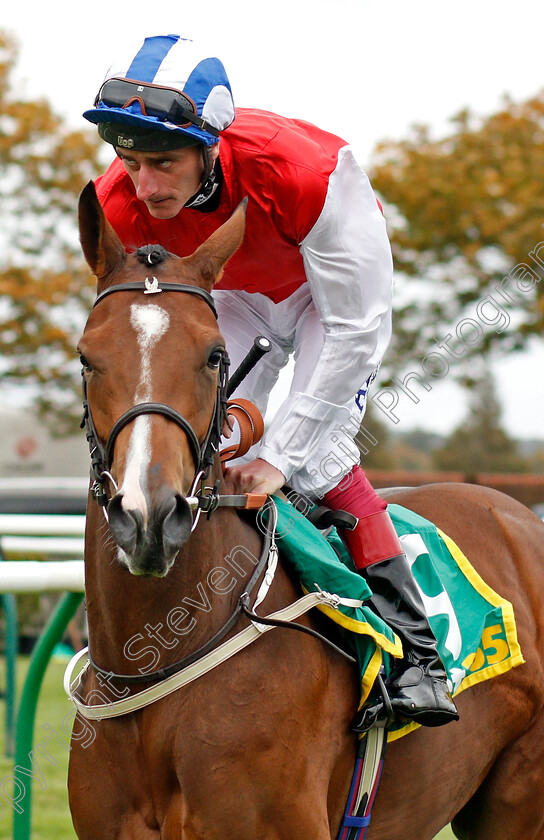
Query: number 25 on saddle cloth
point(474, 627)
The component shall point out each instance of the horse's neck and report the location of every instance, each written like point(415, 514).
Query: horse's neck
point(145, 623)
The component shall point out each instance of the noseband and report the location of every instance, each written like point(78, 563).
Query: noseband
point(203, 453)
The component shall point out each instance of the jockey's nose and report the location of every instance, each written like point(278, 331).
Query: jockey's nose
point(147, 182)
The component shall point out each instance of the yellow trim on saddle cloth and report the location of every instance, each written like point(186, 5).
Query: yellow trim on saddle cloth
point(507, 611)
point(515, 656)
point(364, 629)
point(382, 643)
point(370, 675)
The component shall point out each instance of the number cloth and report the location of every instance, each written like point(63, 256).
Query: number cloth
point(475, 628)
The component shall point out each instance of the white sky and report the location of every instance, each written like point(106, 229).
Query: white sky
point(365, 70)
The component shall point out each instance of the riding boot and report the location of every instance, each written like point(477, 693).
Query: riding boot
point(418, 686)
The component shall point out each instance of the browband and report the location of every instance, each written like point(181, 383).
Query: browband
point(156, 287)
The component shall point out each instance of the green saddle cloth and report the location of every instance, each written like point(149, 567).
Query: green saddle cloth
point(474, 627)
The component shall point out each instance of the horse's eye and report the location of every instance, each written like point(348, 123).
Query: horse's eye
point(215, 357)
point(85, 362)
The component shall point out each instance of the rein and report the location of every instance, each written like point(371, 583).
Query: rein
point(269, 554)
point(203, 454)
point(281, 618)
point(167, 680)
point(269, 546)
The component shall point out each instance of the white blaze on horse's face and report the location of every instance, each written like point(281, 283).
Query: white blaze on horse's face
point(151, 323)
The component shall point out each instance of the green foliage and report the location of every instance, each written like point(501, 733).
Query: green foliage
point(45, 287)
point(377, 454)
point(465, 213)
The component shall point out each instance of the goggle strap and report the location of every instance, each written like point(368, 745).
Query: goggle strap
point(200, 123)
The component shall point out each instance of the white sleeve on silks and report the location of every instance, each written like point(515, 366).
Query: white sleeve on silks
point(348, 263)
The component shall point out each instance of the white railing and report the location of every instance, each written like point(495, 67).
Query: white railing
point(51, 535)
point(33, 576)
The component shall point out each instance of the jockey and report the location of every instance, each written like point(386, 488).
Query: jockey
point(313, 275)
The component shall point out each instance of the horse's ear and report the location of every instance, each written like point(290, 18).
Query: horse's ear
point(102, 247)
point(209, 259)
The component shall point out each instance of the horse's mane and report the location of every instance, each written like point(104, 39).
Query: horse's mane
point(152, 254)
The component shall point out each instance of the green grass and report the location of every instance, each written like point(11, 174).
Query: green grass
point(50, 812)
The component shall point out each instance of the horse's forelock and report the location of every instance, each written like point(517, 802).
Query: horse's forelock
point(152, 254)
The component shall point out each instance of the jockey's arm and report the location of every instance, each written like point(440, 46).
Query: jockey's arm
point(348, 264)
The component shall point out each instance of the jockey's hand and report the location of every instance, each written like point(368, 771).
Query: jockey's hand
point(228, 425)
point(256, 477)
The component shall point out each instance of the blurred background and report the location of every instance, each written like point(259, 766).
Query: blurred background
point(444, 107)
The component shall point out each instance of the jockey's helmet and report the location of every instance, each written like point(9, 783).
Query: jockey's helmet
point(164, 95)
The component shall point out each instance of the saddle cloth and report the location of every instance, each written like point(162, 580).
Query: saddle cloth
point(475, 628)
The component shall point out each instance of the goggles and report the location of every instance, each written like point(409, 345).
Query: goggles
point(163, 103)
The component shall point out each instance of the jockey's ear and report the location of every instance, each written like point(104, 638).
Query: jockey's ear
point(209, 259)
point(102, 247)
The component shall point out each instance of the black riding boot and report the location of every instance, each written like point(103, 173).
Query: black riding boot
point(418, 686)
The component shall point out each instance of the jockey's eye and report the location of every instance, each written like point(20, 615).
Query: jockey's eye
point(215, 357)
point(85, 362)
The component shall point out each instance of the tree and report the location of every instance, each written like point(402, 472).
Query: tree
point(374, 442)
point(45, 287)
point(413, 450)
point(480, 444)
point(466, 215)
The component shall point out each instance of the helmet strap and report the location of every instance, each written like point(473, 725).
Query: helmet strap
point(209, 183)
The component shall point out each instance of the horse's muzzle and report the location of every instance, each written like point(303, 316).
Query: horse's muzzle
point(151, 548)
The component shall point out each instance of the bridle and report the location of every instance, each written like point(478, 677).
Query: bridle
point(203, 453)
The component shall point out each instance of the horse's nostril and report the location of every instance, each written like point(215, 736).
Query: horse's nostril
point(148, 548)
point(176, 526)
point(125, 525)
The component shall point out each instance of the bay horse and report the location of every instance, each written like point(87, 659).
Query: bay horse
point(261, 747)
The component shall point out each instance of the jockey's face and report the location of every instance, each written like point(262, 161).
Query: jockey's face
point(164, 181)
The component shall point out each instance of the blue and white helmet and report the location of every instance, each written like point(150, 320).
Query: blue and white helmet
point(167, 85)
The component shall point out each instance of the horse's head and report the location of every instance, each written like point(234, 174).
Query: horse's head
point(152, 364)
